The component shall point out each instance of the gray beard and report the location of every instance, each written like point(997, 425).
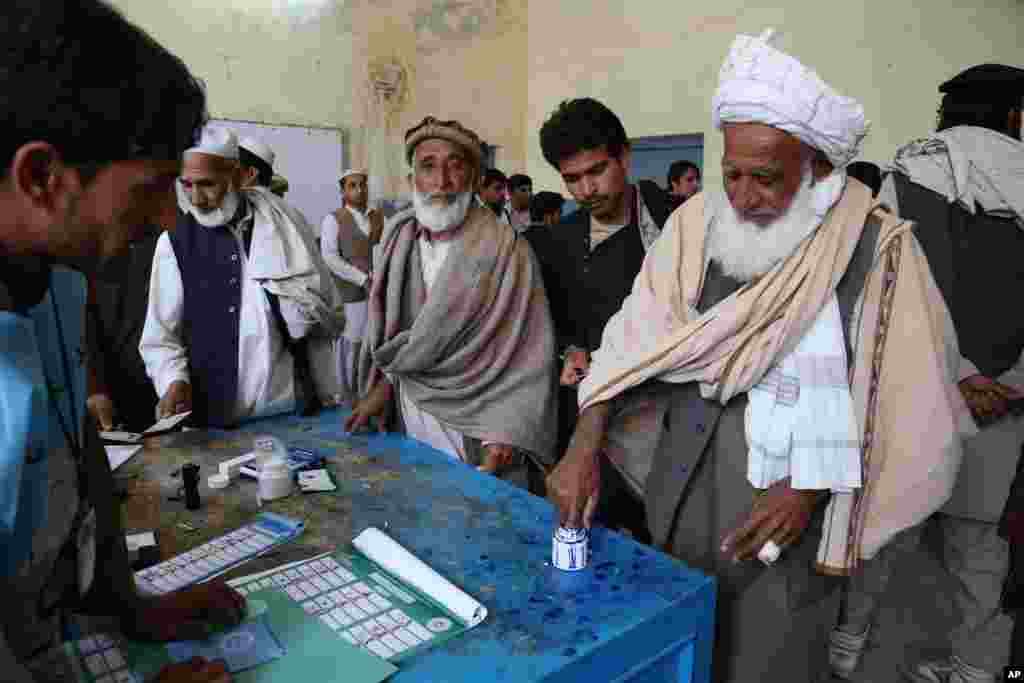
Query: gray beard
point(437, 218)
point(746, 250)
point(222, 215)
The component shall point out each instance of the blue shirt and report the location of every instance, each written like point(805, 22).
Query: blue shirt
point(34, 349)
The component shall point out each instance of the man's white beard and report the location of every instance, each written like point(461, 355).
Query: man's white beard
point(214, 218)
point(439, 218)
point(746, 250)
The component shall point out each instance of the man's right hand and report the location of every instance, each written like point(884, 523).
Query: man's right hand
point(196, 670)
point(101, 407)
point(376, 407)
point(575, 485)
point(987, 398)
point(178, 399)
point(576, 367)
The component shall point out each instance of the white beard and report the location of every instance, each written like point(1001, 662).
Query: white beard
point(746, 250)
point(437, 218)
point(209, 219)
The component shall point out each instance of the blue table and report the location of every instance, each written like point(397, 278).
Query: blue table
point(634, 615)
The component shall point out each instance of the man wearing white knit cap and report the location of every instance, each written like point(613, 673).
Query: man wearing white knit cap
point(347, 238)
point(738, 389)
point(256, 163)
point(238, 292)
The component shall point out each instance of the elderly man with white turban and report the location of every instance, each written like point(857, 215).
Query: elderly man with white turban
point(779, 385)
point(238, 294)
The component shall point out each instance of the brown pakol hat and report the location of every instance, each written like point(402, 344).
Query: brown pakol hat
point(452, 131)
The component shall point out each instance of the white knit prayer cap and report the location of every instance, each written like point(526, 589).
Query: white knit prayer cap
point(760, 84)
point(259, 148)
point(351, 172)
point(217, 141)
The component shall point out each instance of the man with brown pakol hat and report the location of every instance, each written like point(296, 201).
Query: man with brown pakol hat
point(779, 385)
point(347, 239)
point(458, 336)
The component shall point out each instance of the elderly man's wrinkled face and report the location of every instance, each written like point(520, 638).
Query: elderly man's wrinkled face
point(443, 180)
point(206, 180)
point(762, 169)
point(441, 168)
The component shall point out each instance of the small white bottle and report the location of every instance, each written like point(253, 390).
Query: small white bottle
point(275, 479)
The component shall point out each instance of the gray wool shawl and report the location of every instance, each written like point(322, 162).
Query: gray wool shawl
point(478, 351)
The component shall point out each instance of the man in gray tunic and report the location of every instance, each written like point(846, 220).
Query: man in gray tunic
point(738, 388)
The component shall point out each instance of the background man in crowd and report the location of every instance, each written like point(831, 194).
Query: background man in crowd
point(520, 190)
point(964, 190)
point(546, 208)
point(347, 238)
point(255, 163)
point(683, 181)
point(493, 191)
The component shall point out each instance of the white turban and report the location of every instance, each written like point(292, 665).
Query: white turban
point(218, 142)
point(760, 84)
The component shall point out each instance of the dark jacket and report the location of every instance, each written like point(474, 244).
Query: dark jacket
point(116, 316)
point(974, 258)
point(586, 287)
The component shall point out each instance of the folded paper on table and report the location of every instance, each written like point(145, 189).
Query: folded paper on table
point(119, 455)
point(167, 424)
point(121, 437)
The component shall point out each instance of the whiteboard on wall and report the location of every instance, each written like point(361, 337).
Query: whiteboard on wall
point(310, 158)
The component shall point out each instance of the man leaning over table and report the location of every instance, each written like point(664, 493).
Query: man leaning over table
point(92, 147)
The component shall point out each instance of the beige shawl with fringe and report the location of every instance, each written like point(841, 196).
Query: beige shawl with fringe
point(902, 374)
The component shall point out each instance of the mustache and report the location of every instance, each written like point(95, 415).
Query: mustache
point(758, 216)
point(448, 197)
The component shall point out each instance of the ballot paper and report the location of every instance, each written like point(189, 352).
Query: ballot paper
point(118, 455)
point(136, 541)
point(375, 596)
point(121, 437)
point(248, 645)
point(396, 560)
point(219, 555)
point(167, 424)
point(316, 480)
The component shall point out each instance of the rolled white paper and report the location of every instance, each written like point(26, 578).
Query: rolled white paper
point(386, 552)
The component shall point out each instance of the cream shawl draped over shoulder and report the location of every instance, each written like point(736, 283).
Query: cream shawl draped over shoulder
point(902, 372)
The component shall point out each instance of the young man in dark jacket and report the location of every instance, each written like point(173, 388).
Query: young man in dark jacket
point(591, 258)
